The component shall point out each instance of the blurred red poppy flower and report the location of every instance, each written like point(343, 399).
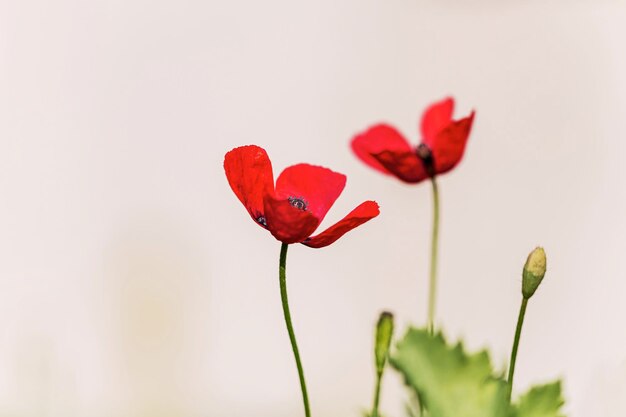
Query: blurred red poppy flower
point(293, 208)
point(443, 142)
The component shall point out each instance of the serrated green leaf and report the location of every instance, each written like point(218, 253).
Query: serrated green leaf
point(450, 382)
point(541, 401)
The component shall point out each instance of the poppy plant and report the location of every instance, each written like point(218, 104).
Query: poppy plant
point(385, 149)
point(443, 143)
point(291, 210)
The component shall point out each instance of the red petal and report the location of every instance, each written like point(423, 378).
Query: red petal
point(287, 223)
point(364, 212)
point(375, 140)
point(318, 187)
point(249, 173)
point(449, 145)
point(436, 118)
point(404, 165)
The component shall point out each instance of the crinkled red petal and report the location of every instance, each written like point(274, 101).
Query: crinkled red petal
point(449, 145)
point(316, 186)
point(436, 118)
point(404, 165)
point(363, 213)
point(375, 140)
point(287, 223)
point(249, 173)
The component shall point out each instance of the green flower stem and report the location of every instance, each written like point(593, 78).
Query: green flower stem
point(432, 292)
point(518, 333)
point(282, 276)
point(379, 378)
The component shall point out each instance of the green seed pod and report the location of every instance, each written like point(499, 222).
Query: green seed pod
point(384, 331)
point(534, 270)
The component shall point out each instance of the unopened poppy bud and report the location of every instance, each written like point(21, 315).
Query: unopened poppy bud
point(384, 331)
point(534, 270)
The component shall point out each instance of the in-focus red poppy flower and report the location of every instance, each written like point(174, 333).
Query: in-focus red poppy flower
point(295, 207)
point(443, 142)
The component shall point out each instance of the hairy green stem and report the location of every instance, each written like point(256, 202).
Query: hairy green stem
point(518, 333)
point(376, 395)
point(379, 377)
point(432, 291)
point(282, 276)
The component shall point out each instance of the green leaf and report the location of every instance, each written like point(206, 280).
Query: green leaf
point(450, 382)
point(541, 401)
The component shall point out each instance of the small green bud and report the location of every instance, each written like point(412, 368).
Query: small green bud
point(384, 331)
point(534, 270)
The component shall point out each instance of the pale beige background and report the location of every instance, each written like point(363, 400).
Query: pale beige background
point(132, 282)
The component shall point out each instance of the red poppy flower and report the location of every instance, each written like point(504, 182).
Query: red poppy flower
point(443, 142)
point(295, 207)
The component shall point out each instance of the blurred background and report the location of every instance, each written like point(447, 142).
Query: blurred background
point(134, 284)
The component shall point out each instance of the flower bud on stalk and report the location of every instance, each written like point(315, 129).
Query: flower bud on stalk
point(384, 330)
point(534, 271)
point(532, 275)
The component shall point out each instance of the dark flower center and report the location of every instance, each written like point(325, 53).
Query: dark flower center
point(424, 152)
point(426, 156)
point(262, 221)
point(298, 202)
